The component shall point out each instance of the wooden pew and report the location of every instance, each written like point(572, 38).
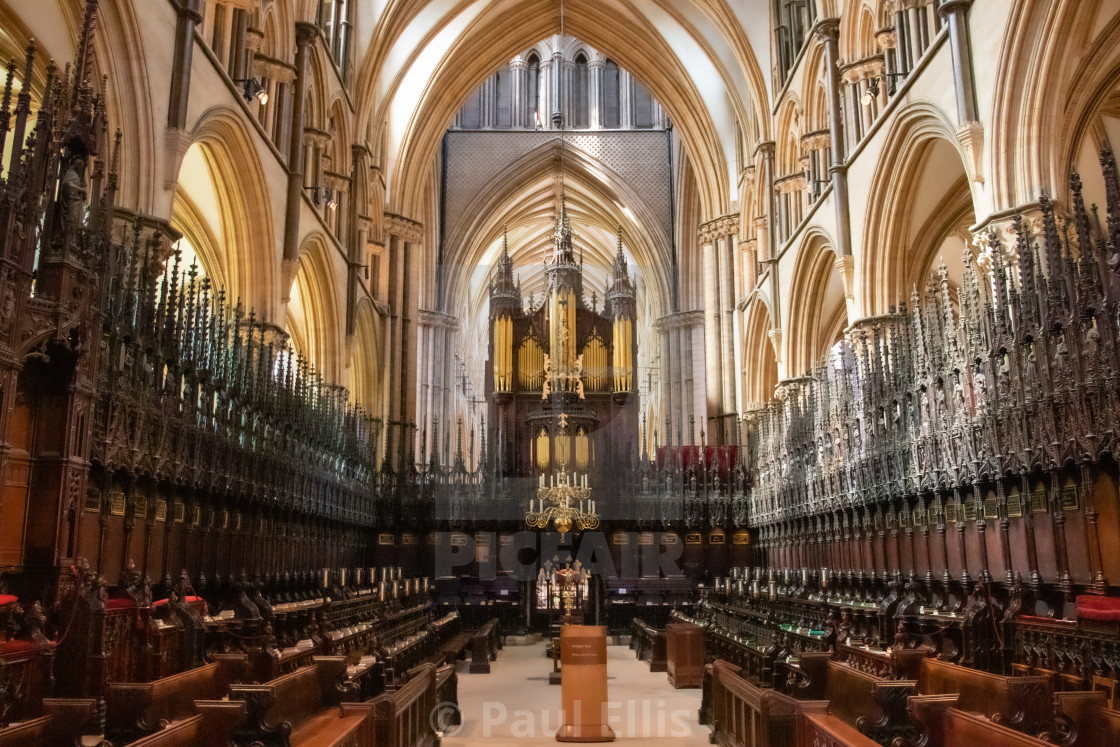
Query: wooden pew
point(212, 727)
point(64, 722)
point(1095, 723)
point(927, 715)
point(403, 718)
point(483, 648)
point(891, 664)
point(961, 728)
point(304, 708)
point(447, 691)
point(1022, 703)
point(741, 713)
point(452, 649)
point(874, 706)
point(651, 645)
point(816, 726)
point(134, 709)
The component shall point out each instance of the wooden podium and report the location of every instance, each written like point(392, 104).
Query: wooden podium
point(684, 654)
point(583, 688)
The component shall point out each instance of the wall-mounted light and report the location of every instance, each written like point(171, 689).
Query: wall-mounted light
point(323, 196)
point(253, 89)
point(872, 91)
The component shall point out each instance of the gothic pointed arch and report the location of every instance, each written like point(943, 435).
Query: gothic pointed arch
point(248, 248)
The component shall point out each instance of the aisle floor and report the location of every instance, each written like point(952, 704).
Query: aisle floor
point(515, 705)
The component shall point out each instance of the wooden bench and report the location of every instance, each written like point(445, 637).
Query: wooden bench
point(961, 728)
point(483, 648)
point(452, 649)
point(134, 709)
point(741, 713)
point(403, 718)
point(816, 726)
point(874, 706)
point(651, 645)
point(890, 664)
point(1025, 704)
point(447, 691)
point(212, 727)
point(305, 707)
point(63, 722)
point(1096, 724)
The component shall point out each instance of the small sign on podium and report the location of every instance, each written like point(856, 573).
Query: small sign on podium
point(583, 689)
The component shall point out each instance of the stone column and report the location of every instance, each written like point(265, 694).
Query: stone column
point(594, 92)
point(190, 15)
point(904, 62)
point(666, 358)
point(559, 103)
point(914, 35)
point(829, 31)
point(306, 33)
point(436, 329)
point(713, 318)
point(519, 74)
point(625, 102)
point(237, 59)
point(356, 238)
point(727, 241)
point(955, 13)
point(749, 263)
point(887, 39)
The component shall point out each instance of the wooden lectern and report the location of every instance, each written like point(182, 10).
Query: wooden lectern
point(583, 690)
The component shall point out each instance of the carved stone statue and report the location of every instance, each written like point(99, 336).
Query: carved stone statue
point(72, 198)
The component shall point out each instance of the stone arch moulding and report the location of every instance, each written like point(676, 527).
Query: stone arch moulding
point(760, 370)
point(365, 359)
point(880, 273)
point(813, 271)
point(652, 251)
point(251, 265)
point(1042, 90)
point(321, 307)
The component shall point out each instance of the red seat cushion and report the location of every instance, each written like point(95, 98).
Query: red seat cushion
point(6, 599)
point(15, 647)
point(198, 602)
point(1095, 607)
point(119, 603)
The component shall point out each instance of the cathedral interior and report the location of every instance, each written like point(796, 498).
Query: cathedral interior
point(351, 351)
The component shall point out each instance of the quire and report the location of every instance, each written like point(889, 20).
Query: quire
point(750, 369)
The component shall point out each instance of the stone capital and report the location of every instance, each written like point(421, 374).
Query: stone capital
point(949, 7)
point(845, 266)
point(886, 38)
point(337, 182)
point(816, 140)
point(679, 320)
point(427, 318)
point(306, 33)
point(273, 69)
point(791, 183)
point(714, 230)
point(828, 29)
point(404, 228)
point(971, 137)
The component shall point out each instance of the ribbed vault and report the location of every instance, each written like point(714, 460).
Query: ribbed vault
point(428, 57)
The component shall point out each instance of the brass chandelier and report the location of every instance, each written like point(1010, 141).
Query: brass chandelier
point(565, 501)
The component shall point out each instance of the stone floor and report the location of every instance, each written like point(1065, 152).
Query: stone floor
point(515, 705)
